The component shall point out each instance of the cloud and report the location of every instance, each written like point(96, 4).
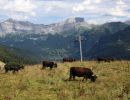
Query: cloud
point(49, 11)
point(120, 9)
point(18, 9)
point(95, 10)
point(86, 5)
point(25, 6)
point(56, 6)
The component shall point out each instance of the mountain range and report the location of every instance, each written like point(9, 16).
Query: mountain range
point(58, 40)
point(12, 26)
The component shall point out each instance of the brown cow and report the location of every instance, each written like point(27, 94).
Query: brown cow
point(82, 72)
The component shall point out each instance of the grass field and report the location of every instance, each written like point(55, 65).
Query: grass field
point(32, 83)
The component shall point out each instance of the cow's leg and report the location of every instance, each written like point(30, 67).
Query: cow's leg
point(51, 67)
point(42, 68)
point(70, 77)
point(84, 78)
point(73, 77)
point(17, 70)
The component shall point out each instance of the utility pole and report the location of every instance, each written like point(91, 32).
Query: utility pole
point(80, 44)
point(80, 39)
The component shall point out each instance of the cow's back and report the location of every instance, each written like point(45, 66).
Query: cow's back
point(79, 71)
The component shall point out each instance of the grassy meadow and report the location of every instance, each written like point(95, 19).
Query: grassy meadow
point(32, 83)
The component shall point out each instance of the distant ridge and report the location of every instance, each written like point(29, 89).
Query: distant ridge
point(10, 26)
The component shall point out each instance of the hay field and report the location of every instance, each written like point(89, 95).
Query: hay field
point(32, 83)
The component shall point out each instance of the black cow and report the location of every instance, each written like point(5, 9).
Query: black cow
point(68, 60)
point(111, 59)
point(99, 59)
point(13, 67)
point(82, 72)
point(107, 59)
point(48, 64)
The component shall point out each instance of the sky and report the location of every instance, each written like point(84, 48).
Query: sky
point(52, 11)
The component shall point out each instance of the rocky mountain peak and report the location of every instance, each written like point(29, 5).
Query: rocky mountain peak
point(10, 20)
point(75, 20)
point(127, 22)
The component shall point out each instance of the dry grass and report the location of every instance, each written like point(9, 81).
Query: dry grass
point(32, 83)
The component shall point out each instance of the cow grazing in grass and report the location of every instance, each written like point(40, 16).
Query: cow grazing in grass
point(69, 59)
point(82, 72)
point(107, 59)
point(13, 67)
point(48, 64)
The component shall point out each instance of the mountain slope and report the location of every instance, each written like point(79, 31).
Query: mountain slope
point(94, 35)
point(41, 46)
point(12, 55)
point(115, 45)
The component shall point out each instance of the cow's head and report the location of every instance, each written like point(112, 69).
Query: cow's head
point(93, 78)
point(55, 65)
point(22, 67)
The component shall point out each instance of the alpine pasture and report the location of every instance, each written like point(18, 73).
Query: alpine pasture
point(32, 83)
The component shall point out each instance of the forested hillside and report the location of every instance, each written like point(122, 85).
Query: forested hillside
point(12, 55)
